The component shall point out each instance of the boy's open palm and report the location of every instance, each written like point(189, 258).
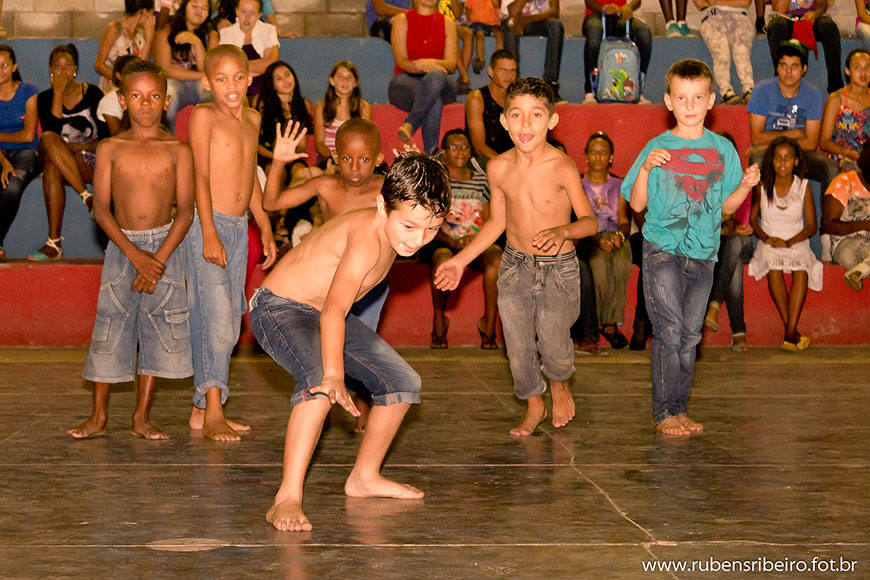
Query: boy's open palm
point(448, 275)
point(287, 142)
point(337, 393)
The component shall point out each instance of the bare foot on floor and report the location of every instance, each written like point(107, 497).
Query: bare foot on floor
point(563, 404)
point(535, 415)
point(365, 408)
point(689, 423)
point(287, 516)
point(93, 427)
point(197, 417)
point(146, 430)
point(672, 426)
point(380, 487)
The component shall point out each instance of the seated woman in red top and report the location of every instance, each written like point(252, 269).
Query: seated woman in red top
point(424, 48)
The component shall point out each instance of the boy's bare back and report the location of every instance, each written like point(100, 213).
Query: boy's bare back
point(537, 196)
point(228, 155)
point(307, 272)
point(334, 197)
point(144, 176)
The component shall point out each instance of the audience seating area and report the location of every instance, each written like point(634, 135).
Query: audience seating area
point(54, 304)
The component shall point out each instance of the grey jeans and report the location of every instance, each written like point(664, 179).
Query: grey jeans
point(539, 300)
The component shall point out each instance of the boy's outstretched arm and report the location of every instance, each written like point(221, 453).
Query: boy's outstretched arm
point(285, 152)
point(360, 256)
point(750, 179)
point(449, 273)
point(149, 268)
point(586, 224)
point(200, 137)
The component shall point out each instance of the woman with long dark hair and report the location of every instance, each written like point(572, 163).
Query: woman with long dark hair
point(280, 102)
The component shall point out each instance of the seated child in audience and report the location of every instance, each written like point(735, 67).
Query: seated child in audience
point(469, 209)
point(258, 39)
point(133, 35)
point(846, 217)
point(343, 101)
point(609, 254)
point(727, 30)
point(223, 135)
point(787, 215)
point(301, 317)
point(483, 20)
point(109, 110)
point(142, 309)
point(280, 102)
point(534, 187)
point(846, 120)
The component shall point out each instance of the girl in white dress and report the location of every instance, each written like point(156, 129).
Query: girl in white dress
point(788, 220)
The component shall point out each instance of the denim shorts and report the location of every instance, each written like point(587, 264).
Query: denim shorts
point(290, 333)
point(128, 323)
point(539, 300)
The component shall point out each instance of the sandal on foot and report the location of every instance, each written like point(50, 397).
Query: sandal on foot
point(854, 278)
point(615, 338)
point(739, 345)
point(487, 342)
point(405, 132)
point(711, 319)
point(86, 197)
point(789, 346)
point(803, 342)
point(440, 341)
point(39, 256)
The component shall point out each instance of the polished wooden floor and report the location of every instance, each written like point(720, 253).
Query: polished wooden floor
point(781, 474)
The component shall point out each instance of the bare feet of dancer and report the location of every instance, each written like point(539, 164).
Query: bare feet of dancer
point(212, 421)
point(287, 516)
point(672, 426)
point(689, 423)
point(536, 413)
point(563, 403)
point(141, 427)
point(379, 486)
point(95, 426)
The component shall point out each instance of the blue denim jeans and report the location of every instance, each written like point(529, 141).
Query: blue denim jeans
point(290, 333)
point(538, 296)
point(677, 289)
point(423, 98)
point(183, 93)
point(554, 31)
point(593, 33)
point(368, 308)
point(154, 326)
point(26, 164)
point(217, 302)
point(728, 278)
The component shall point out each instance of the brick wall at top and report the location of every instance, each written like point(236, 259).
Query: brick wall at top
point(88, 18)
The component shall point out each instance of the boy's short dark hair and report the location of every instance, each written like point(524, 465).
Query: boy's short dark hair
point(534, 88)
point(451, 133)
point(119, 65)
point(690, 69)
point(361, 127)
point(131, 7)
point(790, 48)
point(501, 54)
point(139, 65)
point(417, 179)
point(225, 51)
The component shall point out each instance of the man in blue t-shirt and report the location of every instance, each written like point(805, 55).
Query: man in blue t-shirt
point(380, 14)
point(685, 178)
point(787, 106)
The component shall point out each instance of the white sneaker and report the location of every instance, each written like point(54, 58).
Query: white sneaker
point(589, 99)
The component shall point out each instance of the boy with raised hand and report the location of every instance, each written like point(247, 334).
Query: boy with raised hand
point(534, 187)
point(224, 136)
point(301, 318)
point(685, 178)
point(142, 302)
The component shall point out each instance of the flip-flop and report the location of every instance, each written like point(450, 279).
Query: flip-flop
point(39, 256)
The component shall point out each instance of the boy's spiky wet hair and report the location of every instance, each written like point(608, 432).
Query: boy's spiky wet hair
point(417, 179)
point(533, 87)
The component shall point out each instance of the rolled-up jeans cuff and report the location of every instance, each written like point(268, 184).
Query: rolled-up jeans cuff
point(200, 391)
